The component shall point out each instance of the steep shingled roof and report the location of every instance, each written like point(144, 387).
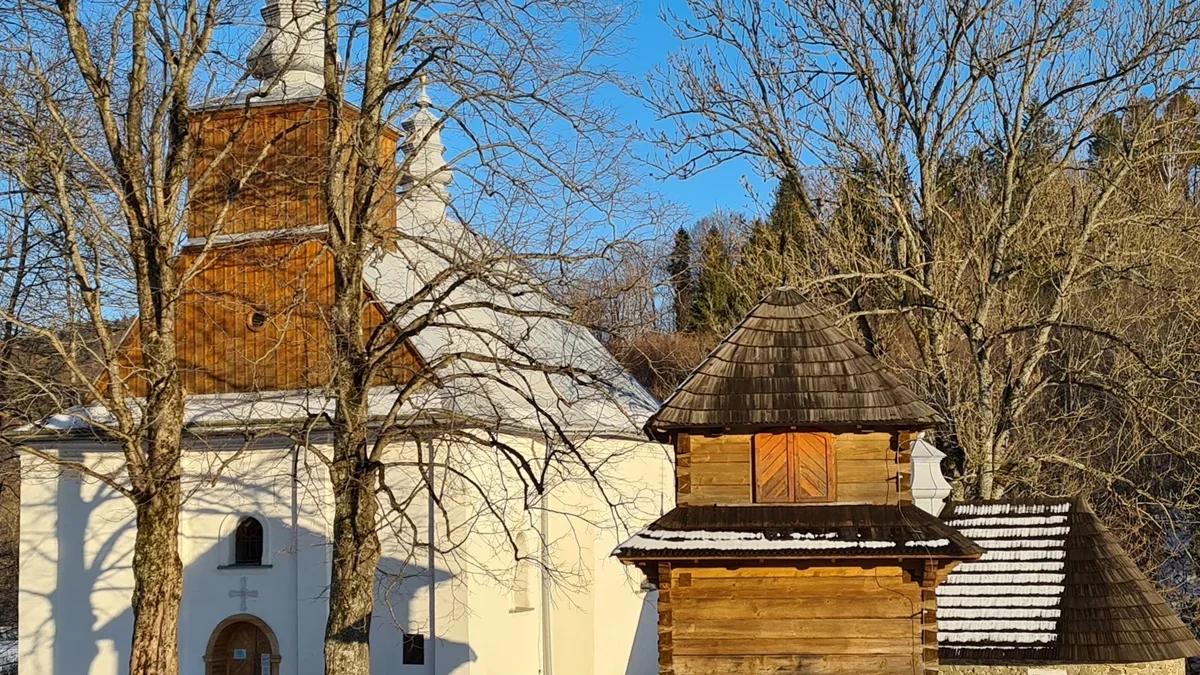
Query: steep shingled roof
point(1053, 587)
point(786, 364)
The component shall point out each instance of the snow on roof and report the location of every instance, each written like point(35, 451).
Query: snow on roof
point(511, 332)
point(996, 591)
point(743, 541)
point(1053, 587)
point(504, 331)
point(799, 531)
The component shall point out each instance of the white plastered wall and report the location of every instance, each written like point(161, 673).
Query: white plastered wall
point(77, 537)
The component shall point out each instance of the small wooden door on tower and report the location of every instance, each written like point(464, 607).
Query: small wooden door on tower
point(794, 467)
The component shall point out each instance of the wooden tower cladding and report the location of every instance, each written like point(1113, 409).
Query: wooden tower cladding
point(795, 547)
point(259, 285)
point(262, 169)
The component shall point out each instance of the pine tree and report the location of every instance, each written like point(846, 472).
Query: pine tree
point(775, 250)
point(791, 214)
point(715, 291)
point(679, 267)
point(759, 266)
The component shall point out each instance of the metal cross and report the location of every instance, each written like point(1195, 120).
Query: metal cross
point(243, 593)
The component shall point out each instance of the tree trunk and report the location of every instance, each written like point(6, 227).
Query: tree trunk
point(355, 550)
point(157, 583)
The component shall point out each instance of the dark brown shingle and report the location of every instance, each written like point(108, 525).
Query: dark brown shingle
point(786, 365)
point(1053, 587)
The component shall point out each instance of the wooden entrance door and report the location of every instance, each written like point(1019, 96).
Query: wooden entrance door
point(241, 648)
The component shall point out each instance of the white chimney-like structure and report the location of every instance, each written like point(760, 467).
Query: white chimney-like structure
point(929, 487)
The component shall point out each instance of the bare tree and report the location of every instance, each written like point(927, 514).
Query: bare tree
point(471, 339)
point(437, 335)
point(1002, 205)
point(99, 104)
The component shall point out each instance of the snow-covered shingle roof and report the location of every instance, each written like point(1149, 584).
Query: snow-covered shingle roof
point(796, 531)
point(511, 332)
point(1053, 587)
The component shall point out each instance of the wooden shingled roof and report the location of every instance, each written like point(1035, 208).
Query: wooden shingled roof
point(792, 531)
point(787, 365)
point(1054, 587)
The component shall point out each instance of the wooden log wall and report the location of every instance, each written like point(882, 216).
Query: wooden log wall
point(772, 621)
point(719, 469)
point(929, 645)
point(714, 469)
point(666, 658)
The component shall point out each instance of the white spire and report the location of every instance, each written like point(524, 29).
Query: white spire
point(929, 487)
point(426, 175)
point(290, 55)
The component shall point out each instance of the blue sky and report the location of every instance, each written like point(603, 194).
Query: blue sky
point(721, 187)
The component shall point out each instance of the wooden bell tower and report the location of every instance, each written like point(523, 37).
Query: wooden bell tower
point(795, 547)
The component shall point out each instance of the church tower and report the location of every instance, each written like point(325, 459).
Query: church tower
point(260, 278)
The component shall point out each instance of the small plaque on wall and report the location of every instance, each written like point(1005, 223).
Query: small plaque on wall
point(264, 664)
point(239, 655)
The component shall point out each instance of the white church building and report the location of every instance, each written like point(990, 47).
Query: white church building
point(452, 596)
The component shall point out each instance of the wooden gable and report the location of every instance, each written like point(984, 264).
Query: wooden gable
point(254, 317)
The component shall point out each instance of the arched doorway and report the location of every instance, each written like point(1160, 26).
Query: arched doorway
point(242, 645)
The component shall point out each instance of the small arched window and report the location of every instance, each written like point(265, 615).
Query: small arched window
point(248, 542)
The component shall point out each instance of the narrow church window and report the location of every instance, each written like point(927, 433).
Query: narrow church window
point(523, 579)
point(794, 467)
point(414, 649)
point(248, 542)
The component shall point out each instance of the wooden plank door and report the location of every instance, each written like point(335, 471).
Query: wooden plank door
point(813, 474)
point(772, 469)
point(794, 467)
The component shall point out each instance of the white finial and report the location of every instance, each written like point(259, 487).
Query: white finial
point(426, 175)
point(929, 487)
point(423, 100)
point(290, 56)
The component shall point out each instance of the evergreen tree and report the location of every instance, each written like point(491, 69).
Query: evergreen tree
point(715, 291)
point(791, 214)
point(775, 250)
point(760, 267)
point(679, 267)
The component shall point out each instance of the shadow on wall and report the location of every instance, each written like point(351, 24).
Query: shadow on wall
point(94, 566)
point(643, 656)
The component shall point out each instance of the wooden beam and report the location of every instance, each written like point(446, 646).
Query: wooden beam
point(666, 622)
point(929, 643)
